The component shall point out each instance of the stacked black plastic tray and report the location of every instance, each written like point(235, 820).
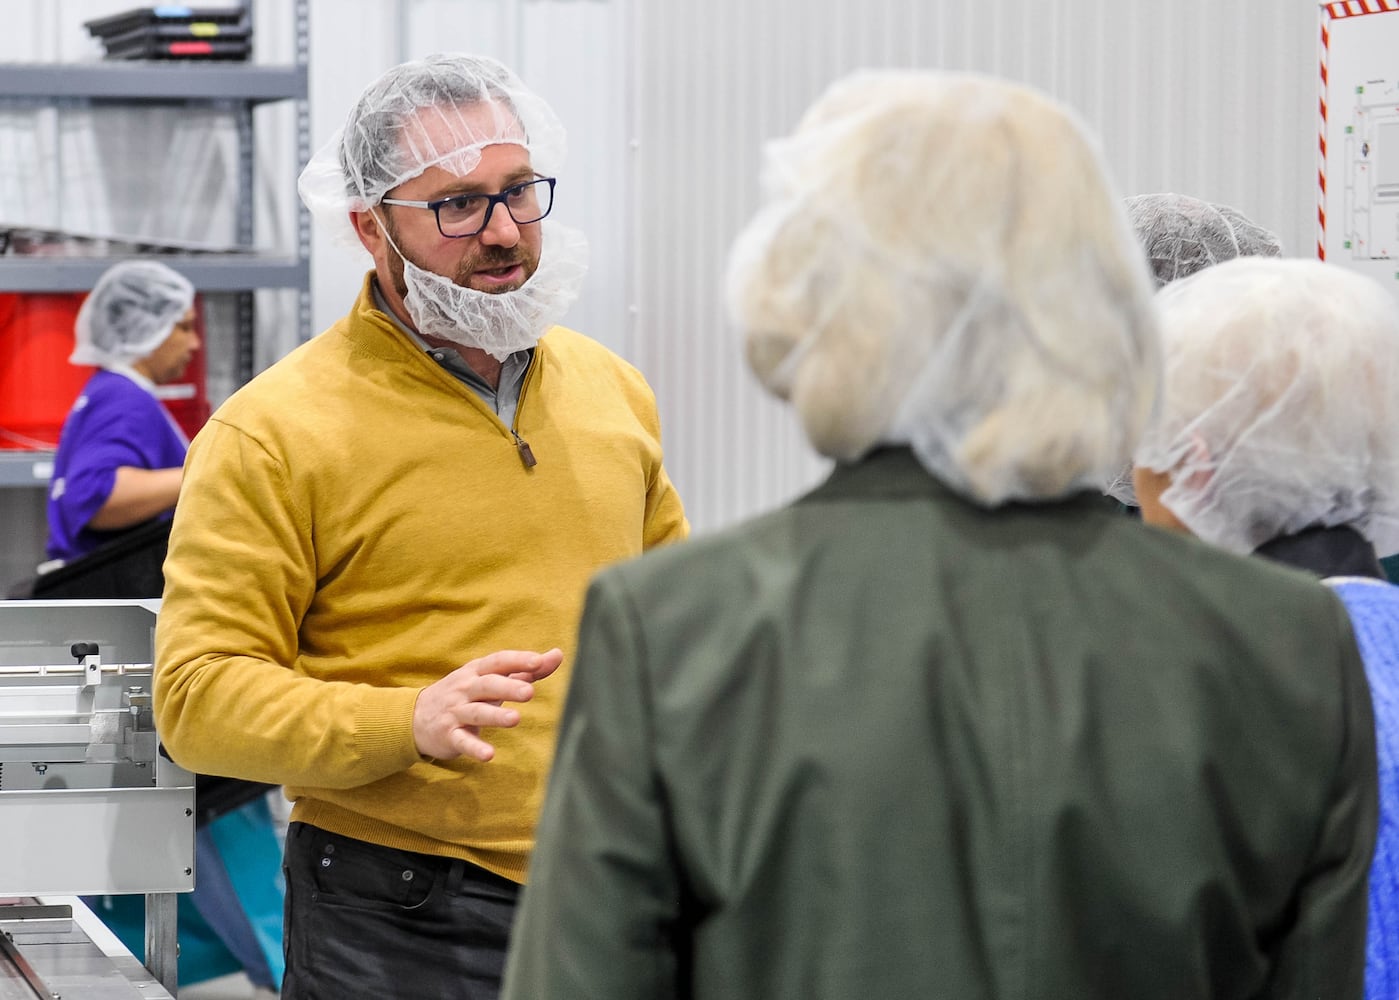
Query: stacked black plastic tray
point(174, 32)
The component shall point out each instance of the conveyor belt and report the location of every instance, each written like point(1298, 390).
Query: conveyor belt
point(52, 951)
point(91, 806)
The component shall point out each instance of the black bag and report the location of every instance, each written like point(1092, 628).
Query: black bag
point(215, 795)
point(130, 565)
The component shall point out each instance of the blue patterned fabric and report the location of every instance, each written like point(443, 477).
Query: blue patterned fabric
point(1374, 613)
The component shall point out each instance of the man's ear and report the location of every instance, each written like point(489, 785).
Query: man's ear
point(367, 228)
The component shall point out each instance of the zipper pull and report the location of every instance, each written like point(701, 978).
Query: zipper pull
point(526, 455)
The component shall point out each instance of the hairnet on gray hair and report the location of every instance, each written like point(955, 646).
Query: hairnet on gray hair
point(129, 313)
point(942, 262)
point(1280, 404)
point(1182, 235)
point(437, 111)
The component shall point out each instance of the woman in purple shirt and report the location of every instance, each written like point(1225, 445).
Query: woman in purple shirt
point(120, 455)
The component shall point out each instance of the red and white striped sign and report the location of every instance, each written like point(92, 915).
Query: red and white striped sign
point(1321, 138)
point(1357, 214)
point(1356, 8)
point(1333, 12)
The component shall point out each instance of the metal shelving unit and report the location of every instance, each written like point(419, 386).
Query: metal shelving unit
point(208, 272)
point(123, 82)
point(233, 87)
point(25, 468)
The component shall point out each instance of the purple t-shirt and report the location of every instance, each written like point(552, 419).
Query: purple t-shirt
point(114, 422)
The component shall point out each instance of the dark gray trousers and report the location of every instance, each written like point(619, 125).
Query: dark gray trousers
point(370, 921)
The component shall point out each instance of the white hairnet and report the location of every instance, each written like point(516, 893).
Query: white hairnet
point(468, 102)
point(1281, 402)
point(129, 313)
point(1182, 235)
point(942, 262)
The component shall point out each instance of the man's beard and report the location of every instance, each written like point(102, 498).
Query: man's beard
point(498, 319)
point(486, 258)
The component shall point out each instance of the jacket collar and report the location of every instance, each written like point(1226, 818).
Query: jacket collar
point(895, 473)
point(1338, 551)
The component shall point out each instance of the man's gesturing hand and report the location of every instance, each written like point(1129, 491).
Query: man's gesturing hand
point(449, 715)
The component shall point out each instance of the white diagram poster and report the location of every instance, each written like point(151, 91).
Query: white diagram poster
point(1358, 213)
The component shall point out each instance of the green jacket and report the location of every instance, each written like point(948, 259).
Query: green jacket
point(884, 743)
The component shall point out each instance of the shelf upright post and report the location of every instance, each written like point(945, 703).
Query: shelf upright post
point(303, 154)
point(245, 318)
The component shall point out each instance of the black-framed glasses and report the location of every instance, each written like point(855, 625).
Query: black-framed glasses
point(468, 214)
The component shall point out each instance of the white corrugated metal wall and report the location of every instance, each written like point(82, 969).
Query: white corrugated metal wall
point(1217, 99)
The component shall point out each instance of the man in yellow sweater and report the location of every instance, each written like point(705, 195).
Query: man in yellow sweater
point(428, 483)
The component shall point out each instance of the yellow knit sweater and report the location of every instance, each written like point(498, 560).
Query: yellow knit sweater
point(354, 524)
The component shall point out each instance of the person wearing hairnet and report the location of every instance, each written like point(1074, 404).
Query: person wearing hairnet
point(120, 452)
point(118, 464)
point(948, 726)
point(1180, 236)
point(1276, 438)
point(384, 540)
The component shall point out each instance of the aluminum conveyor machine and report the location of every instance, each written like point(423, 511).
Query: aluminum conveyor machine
point(88, 803)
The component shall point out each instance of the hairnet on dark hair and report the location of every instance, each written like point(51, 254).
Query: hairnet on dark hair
point(1182, 235)
point(130, 312)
